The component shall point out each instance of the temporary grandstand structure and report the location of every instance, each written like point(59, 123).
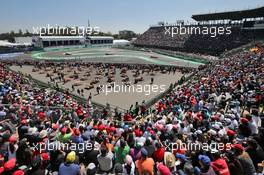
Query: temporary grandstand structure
point(231, 15)
point(245, 26)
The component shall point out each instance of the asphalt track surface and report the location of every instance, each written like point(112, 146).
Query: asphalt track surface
point(111, 55)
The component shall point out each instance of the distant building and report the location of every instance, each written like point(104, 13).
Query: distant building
point(54, 41)
point(99, 39)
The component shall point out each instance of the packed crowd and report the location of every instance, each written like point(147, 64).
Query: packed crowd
point(206, 44)
point(157, 37)
point(211, 125)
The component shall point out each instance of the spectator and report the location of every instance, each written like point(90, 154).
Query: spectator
point(145, 165)
point(205, 163)
point(105, 160)
point(69, 167)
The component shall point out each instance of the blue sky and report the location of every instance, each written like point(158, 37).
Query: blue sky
point(109, 15)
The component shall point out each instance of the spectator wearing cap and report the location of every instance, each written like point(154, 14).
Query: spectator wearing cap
point(45, 158)
point(219, 164)
point(91, 169)
point(231, 134)
point(244, 159)
point(19, 172)
point(182, 158)
point(244, 129)
point(105, 159)
point(69, 167)
point(121, 152)
point(146, 164)
point(137, 131)
point(43, 135)
point(205, 163)
point(76, 137)
point(12, 147)
point(64, 135)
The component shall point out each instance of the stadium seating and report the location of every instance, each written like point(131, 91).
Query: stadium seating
point(156, 37)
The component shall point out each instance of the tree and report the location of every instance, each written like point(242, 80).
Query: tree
point(12, 33)
point(109, 33)
point(20, 33)
point(27, 33)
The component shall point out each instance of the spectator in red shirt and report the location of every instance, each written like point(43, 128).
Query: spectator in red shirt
point(219, 165)
point(158, 155)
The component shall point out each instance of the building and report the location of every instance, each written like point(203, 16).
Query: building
point(54, 41)
point(99, 40)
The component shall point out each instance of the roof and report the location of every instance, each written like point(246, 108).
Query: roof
point(120, 41)
point(8, 44)
point(100, 37)
point(61, 38)
point(232, 15)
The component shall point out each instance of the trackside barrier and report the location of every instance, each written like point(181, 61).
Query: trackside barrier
point(179, 56)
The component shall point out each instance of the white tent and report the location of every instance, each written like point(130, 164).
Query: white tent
point(25, 41)
point(121, 42)
point(8, 44)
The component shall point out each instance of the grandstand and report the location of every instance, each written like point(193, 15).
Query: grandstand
point(245, 25)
